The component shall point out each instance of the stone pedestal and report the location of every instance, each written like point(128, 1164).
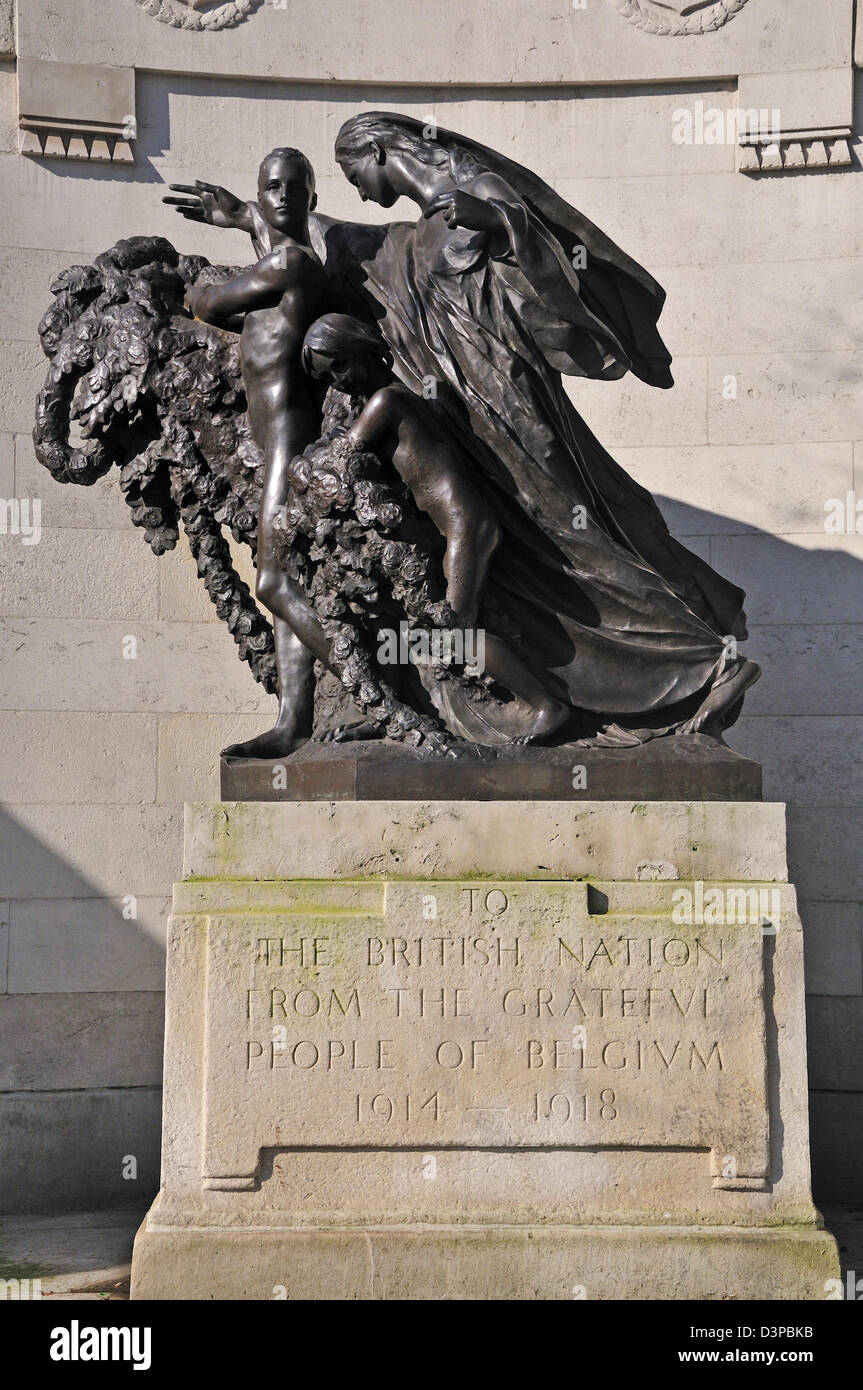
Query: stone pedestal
point(484, 1050)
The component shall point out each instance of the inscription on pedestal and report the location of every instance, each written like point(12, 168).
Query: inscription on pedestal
point(483, 1015)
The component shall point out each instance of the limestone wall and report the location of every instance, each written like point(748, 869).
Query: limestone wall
point(763, 319)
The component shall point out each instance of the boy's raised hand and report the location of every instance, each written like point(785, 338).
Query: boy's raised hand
point(206, 202)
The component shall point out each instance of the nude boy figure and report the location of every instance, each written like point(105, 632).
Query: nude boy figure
point(401, 429)
point(276, 301)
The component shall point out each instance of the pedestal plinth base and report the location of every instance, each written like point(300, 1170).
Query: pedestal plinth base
point(498, 1262)
point(664, 769)
point(478, 1050)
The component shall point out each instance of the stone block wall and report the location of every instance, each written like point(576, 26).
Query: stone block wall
point(763, 320)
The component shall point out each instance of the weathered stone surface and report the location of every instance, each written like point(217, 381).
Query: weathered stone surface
point(22, 371)
point(7, 27)
point(7, 466)
point(729, 212)
point(182, 596)
point(761, 307)
point(834, 778)
point(4, 946)
point(189, 750)
point(455, 1063)
point(80, 1041)
point(818, 99)
point(837, 1159)
point(738, 489)
point(47, 580)
point(576, 139)
point(87, 944)
point(174, 668)
point(615, 840)
point(8, 107)
point(100, 507)
point(546, 44)
point(824, 847)
point(25, 276)
point(125, 200)
point(59, 91)
point(858, 463)
point(52, 747)
point(485, 1264)
point(94, 1132)
point(825, 659)
point(787, 397)
point(634, 415)
point(817, 580)
point(87, 851)
point(541, 1031)
point(834, 1028)
point(833, 947)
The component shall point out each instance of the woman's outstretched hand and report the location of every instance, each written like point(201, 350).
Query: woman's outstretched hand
point(462, 209)
point(206, 202)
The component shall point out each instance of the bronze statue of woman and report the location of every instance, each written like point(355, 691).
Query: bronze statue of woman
point(497, 289)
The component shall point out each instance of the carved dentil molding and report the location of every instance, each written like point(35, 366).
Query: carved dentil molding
point(76, 111)
point(795, 152)
point(678, 18)
point(201, 15)
point(75, 140)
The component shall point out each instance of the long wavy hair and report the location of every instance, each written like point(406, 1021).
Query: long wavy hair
point(335, 334)
point(406, 135)
point(619, 292)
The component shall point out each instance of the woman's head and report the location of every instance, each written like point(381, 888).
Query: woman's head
point(348, 354)
point(382, 152)
point(374, 147)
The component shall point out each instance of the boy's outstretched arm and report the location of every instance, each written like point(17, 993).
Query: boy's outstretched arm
point(262, 287)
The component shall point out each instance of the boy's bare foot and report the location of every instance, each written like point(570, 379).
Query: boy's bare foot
point(356, 732)
point(277, 742)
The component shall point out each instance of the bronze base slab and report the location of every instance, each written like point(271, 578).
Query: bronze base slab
point(686, 768)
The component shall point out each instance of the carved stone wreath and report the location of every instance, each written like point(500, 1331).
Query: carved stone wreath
point(200, 14)
point(678, 17)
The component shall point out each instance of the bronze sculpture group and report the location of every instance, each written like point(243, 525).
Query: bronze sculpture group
point(378, 412)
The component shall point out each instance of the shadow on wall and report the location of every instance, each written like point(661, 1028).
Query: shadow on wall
point(803, 723)
point(80, 1051)
point(81, 1023)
